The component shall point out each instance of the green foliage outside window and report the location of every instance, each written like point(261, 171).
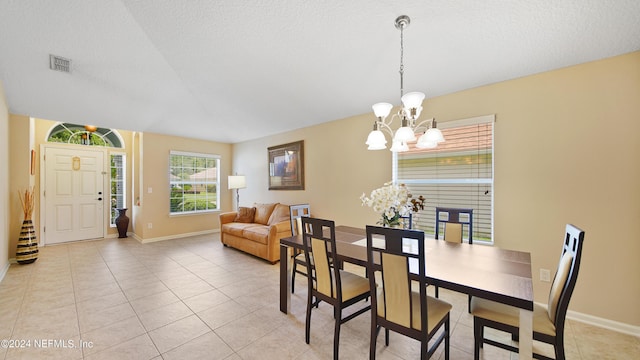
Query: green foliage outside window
point(77, 136)
point(194, 183)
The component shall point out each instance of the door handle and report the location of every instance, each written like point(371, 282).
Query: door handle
point(99, 199)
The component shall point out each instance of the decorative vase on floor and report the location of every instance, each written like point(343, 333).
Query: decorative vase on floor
point(27, 251)
point(122, 223)
point(27, 245)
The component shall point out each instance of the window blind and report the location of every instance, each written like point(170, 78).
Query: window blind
point(458, 173)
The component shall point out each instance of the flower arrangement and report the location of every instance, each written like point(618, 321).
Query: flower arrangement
point(393, 201)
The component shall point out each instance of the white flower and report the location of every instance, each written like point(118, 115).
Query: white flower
point(390, 200)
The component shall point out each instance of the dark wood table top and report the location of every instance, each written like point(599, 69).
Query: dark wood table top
point(478, 270)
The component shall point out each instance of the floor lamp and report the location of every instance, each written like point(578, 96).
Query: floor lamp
point(237, 182)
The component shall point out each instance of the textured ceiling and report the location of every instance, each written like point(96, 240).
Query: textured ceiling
point(232, 70)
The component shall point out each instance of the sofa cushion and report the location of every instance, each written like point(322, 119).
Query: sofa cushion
point(263, 212)
point(235, 228)
point(257, 233)
point(245, 215)
point(280, 213)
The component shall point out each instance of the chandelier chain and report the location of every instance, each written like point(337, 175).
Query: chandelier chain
point(401, 61)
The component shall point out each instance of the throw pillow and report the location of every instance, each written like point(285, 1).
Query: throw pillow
point(263, 212)
point(245, 215)
point(280, 213)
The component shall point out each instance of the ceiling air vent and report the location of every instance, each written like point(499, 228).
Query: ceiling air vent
point(59, 63)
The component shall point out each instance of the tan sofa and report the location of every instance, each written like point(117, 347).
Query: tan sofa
point(256, 230)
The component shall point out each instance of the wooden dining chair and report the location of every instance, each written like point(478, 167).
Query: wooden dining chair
point(296, 212)
point(450, 221)
point(400, 302)
point(330, 284)
point(548, 323)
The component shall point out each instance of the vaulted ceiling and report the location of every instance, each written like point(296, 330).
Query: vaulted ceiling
point(234, 70)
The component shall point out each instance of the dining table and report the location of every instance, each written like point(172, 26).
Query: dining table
point(485, 271)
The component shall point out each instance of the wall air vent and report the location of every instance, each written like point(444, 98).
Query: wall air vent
point(59, 63)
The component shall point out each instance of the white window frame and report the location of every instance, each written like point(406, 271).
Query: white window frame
point(176, 182)
point(112, 216)
point(490, 181)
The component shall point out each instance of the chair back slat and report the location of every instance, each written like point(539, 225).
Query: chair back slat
point(321, 264)
point(566, 276)
point(396, 289)
point(453, 232)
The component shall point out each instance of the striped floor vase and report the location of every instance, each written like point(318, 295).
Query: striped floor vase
point(27, 251)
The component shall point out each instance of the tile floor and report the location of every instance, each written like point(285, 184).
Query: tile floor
point(192, 298)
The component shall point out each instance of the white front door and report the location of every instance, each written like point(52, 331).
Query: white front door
point(74, 194)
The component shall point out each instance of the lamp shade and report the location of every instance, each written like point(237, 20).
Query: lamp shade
point(424, 143)
point(412, 99)
point(237, 182)
point(381, 110)
point(404, 134)
point(376, 140)
point(434, 135)
point(399, 146)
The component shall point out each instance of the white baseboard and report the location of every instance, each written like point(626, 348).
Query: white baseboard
point(604, 323)
point(177, 236)
point(601, 322)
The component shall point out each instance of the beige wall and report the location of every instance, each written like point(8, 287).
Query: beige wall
point(4, 184)
point(19, 177)
point(566, 151)
point(154, 207)
point(338, 169)
point(136, 170)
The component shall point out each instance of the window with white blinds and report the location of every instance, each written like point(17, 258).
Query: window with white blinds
point(458, 173)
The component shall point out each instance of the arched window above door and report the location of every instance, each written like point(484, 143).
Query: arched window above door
point(85, 135)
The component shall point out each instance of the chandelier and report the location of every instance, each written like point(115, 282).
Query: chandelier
point(407, 115)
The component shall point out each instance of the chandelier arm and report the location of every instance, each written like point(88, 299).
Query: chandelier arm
point(390, 120)
point(383, 126)
point(426, 123)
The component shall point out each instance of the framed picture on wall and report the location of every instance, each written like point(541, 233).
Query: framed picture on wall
point(286, 166)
